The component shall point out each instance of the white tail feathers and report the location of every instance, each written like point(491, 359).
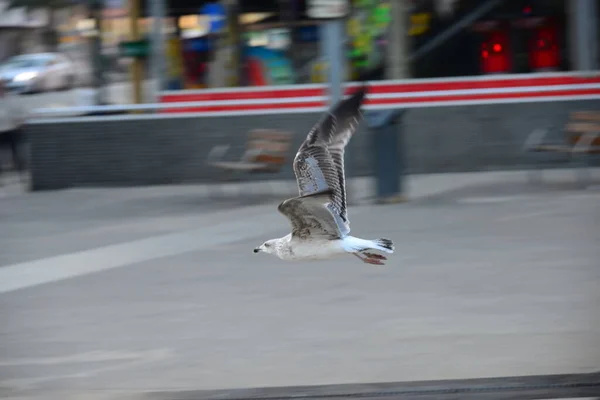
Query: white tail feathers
point(353, 244)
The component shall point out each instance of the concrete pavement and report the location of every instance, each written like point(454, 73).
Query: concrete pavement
point(109, 292)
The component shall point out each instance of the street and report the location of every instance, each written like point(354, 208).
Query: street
point(136, 290)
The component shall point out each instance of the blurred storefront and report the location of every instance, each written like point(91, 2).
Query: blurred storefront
point(22, 30)
point(512, 36)
point(269, 43)
point(274, 42)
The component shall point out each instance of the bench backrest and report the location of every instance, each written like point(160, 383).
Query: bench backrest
point(582, 122)
point(269, 146)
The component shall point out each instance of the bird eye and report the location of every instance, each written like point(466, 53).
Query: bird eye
point(267, 244)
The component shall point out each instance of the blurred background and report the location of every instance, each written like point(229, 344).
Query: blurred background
point(146, 144)
point(81, 58)
point(203, 44)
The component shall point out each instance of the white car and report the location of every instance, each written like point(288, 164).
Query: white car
point(28, 73)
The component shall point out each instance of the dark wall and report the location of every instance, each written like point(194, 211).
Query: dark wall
point(146, 150)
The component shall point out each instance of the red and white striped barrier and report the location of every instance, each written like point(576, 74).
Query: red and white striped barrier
point(478, 90)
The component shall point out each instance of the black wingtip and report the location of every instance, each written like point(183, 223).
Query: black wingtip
point(357, 97)
point(364, 77)
point(361, 92)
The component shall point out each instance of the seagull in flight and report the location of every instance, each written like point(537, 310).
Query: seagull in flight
point(319, 218)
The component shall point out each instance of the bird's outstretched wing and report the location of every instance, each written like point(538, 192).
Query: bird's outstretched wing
point(319, 163)
point(310, 217)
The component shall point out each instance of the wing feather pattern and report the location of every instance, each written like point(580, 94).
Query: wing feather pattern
point(310, 216)
point(319, 163)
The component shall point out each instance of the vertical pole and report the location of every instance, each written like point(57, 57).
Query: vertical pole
point(592, 15)
point(333, 51)
point(593, 33)
point(397, 66)
point(234, 43)
point(333, 45)
point(584, 32)
point(390, 153)
point(287, 12)
point(218, 75)
point(158, 46)
point(136, 67)
point(97, 7)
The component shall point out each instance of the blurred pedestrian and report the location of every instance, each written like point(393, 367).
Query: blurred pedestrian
point(12, 118)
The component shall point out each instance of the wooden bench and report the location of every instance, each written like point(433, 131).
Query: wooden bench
point(266, 151)
point(581, 140)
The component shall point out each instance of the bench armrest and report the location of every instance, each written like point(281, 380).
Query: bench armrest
point(535, 138)
point(217, 153)
point(251, 154)
point(584, 144)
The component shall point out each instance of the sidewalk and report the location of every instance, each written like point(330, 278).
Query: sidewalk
point(70, 220)
point(417, 187)
point(149, 289)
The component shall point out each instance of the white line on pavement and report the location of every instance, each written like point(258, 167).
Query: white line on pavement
point(52, 269)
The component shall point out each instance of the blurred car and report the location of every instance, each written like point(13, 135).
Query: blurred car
point(28, 73)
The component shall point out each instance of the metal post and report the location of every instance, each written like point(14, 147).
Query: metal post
point(333, 46)
point(592, 14)
point(388, 140)
point(286, 17)
point(99, 82)
point(584, 31)
point(136, 66)
point(397, 65)
point(235, 42)
point(332, 39)
point(158, 45)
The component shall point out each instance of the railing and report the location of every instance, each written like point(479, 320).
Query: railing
point(414, 93)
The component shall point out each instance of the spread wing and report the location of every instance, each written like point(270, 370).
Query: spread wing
point(310, 216)
point(319, 163)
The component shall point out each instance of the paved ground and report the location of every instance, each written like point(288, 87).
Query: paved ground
point(147, 289)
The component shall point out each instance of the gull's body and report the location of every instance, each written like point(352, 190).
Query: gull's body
point(320, 224)
point(290, 248)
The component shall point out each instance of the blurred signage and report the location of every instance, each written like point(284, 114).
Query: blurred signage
point(328, 8)
point(217, 16)
point(544, 53)
point(114, 8)
point(137, 48)
point(308, 34)
point(192, 26)
point(273, 39)
point(197, 45)
point(495, 52)
point(419, 23)
point(367, 30)
point(279, 39)
point(174, 63)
